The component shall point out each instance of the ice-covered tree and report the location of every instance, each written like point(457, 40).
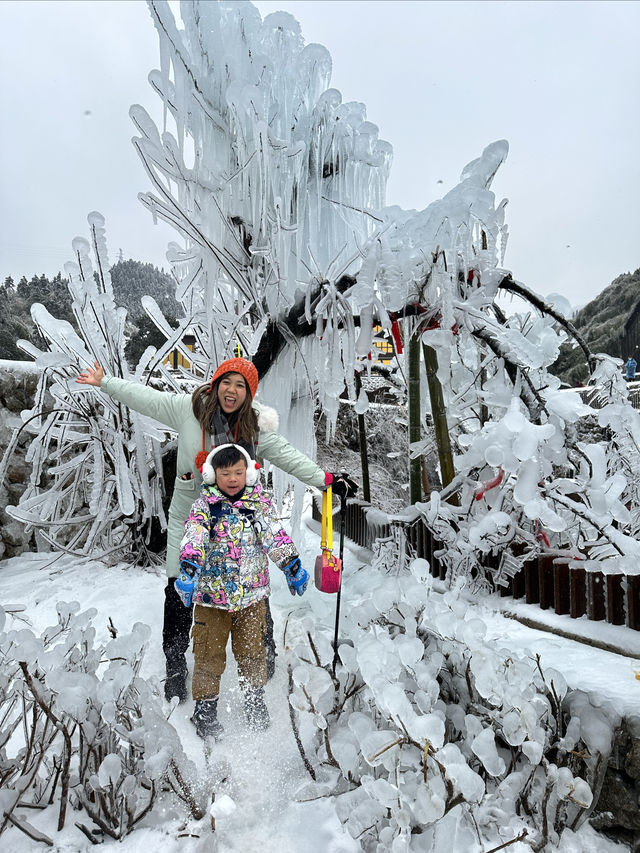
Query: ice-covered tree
point(277, 190)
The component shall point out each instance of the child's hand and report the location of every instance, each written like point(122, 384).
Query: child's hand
point(189, 568)
point(297, 577)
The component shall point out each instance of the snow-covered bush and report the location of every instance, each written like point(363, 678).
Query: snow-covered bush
point(79, 725)
point(428, 732)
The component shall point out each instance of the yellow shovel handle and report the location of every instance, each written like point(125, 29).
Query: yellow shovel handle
point(326, 542)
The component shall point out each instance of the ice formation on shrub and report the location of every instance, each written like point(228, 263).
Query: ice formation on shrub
point(96, 479)
point(96, 737)
point(428, 731)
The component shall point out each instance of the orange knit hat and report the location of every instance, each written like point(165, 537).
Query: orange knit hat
point(238, 365)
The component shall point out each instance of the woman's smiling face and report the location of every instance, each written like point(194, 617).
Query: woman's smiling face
point(232, 392)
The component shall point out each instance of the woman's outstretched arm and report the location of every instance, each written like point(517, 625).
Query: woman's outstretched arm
point(166, 407)
point(91, 376)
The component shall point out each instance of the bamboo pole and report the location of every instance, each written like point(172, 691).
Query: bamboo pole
point(447, 470)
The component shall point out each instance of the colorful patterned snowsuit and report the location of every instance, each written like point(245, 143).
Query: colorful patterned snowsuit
point(229, 540)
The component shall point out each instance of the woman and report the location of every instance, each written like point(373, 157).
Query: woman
point(220, 411)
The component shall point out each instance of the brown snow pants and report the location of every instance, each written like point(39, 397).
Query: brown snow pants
point(210, 632)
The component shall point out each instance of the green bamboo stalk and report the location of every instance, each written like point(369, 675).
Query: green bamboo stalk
point(439, 413)
point(415, 465)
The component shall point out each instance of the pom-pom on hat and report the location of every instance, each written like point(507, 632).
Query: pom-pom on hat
point(242, 366)
point(209, 474)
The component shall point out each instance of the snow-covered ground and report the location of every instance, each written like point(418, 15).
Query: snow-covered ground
point(614, 677)
point(261, 773)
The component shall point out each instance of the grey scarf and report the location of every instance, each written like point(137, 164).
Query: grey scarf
point(221, 433)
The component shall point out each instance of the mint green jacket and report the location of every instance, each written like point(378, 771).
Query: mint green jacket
point(175, 412)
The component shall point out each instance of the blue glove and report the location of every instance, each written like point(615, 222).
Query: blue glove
point(187, 583)
point(297, 577)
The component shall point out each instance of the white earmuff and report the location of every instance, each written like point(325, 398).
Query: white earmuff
point(209, 474)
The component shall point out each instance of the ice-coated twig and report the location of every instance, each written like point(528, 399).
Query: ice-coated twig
point(296, 730)
point(520, 837)
point(24, 826)
point(511, 286)
point(64, 791)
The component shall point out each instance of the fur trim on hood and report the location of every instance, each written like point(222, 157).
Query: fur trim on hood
point(268, 419)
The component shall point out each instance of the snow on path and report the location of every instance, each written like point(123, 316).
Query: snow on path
point(263, 771)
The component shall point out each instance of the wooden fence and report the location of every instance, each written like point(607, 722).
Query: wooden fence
point(568, 586)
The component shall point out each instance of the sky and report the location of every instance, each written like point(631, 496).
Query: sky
point(559, 80)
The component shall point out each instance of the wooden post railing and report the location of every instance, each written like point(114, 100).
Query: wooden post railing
point(569, 586)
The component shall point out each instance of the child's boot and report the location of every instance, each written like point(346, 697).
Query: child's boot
point(205, 718)
point(255, 710)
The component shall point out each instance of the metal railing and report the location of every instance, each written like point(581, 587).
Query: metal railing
point(589, 395)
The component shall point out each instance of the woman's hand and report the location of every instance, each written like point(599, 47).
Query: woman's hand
point(343, 486)
point(91, 377)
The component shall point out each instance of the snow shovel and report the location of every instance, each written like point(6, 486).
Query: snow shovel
point(343, 524)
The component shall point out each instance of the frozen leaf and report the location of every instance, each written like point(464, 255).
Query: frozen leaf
point(513, 730)
point(361, 725)
point(410, 649)
point(428, 806)
point(129, 785)
point(346, 752)
point(362, 403)
point(381, 790)
point(484, 746)
point(465, 780)
point(582, 793)
point(223, 806)
point(533, 750)
point(110, 770)
point(156, 763)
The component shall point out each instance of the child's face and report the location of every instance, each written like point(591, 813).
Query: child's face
point(232, 479)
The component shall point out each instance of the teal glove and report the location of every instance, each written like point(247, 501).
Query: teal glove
point(187, 583)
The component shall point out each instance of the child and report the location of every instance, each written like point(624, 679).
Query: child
point(231, 529)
